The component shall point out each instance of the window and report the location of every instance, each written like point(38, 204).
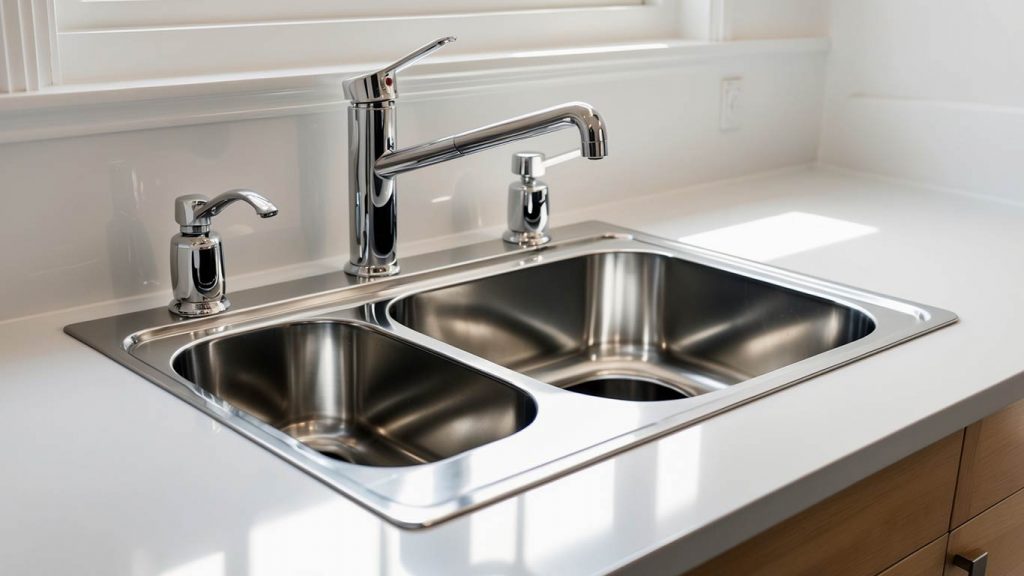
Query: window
point(117, 40)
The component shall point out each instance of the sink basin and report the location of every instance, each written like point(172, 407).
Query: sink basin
point(356, 394)
point(633, 325)
point(486, 369)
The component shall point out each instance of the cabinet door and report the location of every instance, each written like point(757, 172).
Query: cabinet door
point(860, 531)
point(992, 465)
point(928, 561)
point(998, 531)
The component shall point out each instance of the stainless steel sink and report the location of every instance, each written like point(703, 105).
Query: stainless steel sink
point(462, 380)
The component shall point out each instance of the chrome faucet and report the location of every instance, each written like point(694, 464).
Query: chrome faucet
point(197, 258)
point(374, 162)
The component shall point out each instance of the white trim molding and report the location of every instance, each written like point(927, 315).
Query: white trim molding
point(63, 111)
point(146, 51)
point(111, 14)
point(27, 45)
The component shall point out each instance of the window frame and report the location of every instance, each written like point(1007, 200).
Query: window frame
point(80, 15)
point(116, 50)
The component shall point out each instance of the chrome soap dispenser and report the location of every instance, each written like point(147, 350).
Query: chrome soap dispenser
point(528, 211)
point(197, 259)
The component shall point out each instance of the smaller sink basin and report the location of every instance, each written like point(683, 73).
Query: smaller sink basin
point(356, 394)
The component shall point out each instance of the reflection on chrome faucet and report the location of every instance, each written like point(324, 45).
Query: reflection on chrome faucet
point(374, 161)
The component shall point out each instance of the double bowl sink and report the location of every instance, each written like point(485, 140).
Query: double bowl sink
point(481, 371)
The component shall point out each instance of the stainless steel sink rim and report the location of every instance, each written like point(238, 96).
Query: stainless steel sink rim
point(471, 479)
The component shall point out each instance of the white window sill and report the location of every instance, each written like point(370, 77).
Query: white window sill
point(75, 110)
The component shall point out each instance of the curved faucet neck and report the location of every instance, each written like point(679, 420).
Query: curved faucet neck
point(593, 138)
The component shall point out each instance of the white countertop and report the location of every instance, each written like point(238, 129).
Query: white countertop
point(111, 475)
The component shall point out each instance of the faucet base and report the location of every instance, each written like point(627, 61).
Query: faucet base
point(526, 239)
point(381, 271)
point(198, 309)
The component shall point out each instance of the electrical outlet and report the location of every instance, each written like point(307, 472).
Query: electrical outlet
point(729, 119)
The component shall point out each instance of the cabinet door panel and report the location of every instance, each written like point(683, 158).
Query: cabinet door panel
point(992, 465)
point(998, 531)
point(928, 561)
point(860, 531)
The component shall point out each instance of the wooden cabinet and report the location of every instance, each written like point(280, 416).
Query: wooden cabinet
point(861, 531)
point(963, 495)
point(927, 561)
point(998, 531)
point(992, 464)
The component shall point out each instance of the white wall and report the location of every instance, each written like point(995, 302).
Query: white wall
point(89, 218)
point(929, 90)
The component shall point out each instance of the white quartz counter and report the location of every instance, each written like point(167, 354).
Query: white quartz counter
point(105, 473)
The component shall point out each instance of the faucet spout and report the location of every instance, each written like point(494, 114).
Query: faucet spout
point(593, 138)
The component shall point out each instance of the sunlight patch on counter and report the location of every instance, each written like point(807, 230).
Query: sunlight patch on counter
point(777, 236)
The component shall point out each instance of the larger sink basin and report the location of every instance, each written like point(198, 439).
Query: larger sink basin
point(483, 370)
point(633, 325)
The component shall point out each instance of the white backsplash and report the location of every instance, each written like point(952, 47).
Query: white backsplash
point(929, 92)
point(89, 218)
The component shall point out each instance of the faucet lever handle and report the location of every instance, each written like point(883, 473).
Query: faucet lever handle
point(382, 85)
point(417, 55)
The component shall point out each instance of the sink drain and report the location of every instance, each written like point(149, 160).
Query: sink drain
point(629, 388)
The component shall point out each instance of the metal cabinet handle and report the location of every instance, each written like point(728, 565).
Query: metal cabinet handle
point(975, 563)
